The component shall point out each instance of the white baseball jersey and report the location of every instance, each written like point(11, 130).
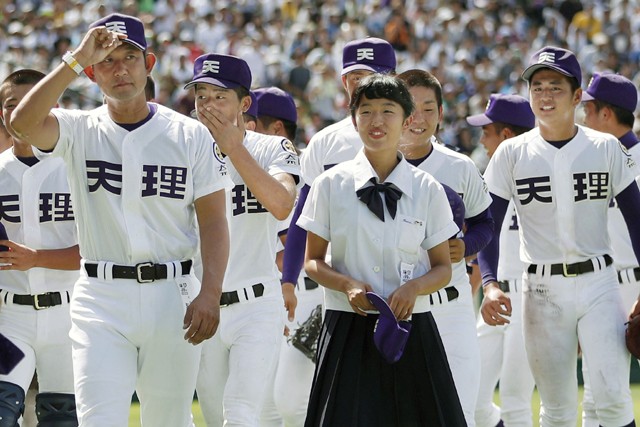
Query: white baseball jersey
point(461, 174)
point(334, 144)
point(36, 210)
point(623, 256)
point(561, 195)
point(253, 229)
point(382, 254)
point(122, 180)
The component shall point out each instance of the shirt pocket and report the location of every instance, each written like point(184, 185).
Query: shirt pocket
point(410, 233)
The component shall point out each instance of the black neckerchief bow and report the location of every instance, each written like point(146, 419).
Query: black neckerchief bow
point(370, 195)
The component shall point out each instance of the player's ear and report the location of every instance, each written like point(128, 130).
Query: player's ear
point(89, 72)
point(245, 103)
point(407, 122)
point(150, 60)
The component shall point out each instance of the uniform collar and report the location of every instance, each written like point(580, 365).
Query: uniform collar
point(629, 139)
point(400, 176)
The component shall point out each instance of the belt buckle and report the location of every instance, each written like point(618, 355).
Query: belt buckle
point(36, 303)
point(139, 277)
point(565, 273)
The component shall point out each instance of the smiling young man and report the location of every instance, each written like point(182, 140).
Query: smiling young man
point(140, 175)
point(561, 177)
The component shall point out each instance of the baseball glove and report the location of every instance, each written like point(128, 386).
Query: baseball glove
point(305, 338)
point(632, 336)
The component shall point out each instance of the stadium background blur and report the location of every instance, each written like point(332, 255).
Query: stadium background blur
point(474, 47)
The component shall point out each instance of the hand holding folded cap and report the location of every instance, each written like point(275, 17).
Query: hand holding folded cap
point(389, 335)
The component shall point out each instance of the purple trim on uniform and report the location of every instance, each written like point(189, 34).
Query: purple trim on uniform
point(488, 257)
point(629, 139)
point(283, 232)
point(153, 108)
point(560, 144)
point(29, 161)
point(629, 204)
point(417, 162)
point(295, 245)
point(479, 232)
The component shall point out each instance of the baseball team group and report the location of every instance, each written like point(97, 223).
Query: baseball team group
point(143, 251)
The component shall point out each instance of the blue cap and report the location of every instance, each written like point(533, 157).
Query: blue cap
point(613, 89)
point(275, 102)
point(510, 109)
point(561, 60)
point(226, 71)
point(372, 54)
point(131, 26)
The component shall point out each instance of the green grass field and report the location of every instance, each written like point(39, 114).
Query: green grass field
point(134, 418)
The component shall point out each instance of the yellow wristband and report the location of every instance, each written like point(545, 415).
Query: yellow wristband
point(71, 62)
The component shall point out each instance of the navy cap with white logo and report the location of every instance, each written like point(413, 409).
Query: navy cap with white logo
point(511, 109)
point(131, 26)
point(372, 54)
point(613, 89)
point(275, 102)
point(226, 71)
point(557, 59)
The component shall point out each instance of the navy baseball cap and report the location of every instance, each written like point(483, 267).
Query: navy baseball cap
point(253, 108)
point(613, 89)
point(510, 109)
point(372, 54)
point(389, 335)
point(275, 102)
point(555, 58)
point(226, 71)
point(131, 26)
point(10, 355)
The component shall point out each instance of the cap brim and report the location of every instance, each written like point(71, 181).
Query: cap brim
point(479, 120)
point(211, 81)
point(526, 74)
point(372, 68)
point(135, 44)
point(587, 97)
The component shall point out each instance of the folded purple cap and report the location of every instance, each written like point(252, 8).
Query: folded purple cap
point(456, 204)
point(275, 102)
point(511, 109)
point(10, 355)
point(226, 71)
point(389, 335)
point(125, 24)
point(613, 89)
point(253, 108)
point(556, 58)
point(371, 54)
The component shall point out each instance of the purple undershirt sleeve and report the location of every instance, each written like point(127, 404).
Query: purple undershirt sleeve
point(295, 245)
point(488, 257)
point(629, 204)
point(479, 232)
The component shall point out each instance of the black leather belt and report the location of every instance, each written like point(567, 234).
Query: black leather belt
point(309, 283)
point(451, 291)
point(232, 297)
point(49, 299)
point(144, 272)
point(572, 270)
point(504, 285)
point(636, 274)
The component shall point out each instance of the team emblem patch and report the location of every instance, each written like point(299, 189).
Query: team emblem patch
point(218, 153)
point(288, 146)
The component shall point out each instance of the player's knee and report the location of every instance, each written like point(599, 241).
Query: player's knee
point(11, 404)
point(56, 410)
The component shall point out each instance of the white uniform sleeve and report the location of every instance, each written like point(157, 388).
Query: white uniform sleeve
point(315, 213)
point(311, 161)
point(285, 159)
point(623, 167)
point(209, 172)
point(440, 225)
point(498, 175)
point(476, 196)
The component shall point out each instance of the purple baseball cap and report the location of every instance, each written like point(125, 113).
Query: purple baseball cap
point(371, 54)
point(253, 108)
point(10, 355)
point(613, 89)
point(389, 335)
point(131, 26)
point(275, 102)
point(555, 58)
point(226, 71)
point(511, 109)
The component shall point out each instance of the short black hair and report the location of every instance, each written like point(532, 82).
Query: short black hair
point(624, 117)
point(383, 86)
point(517, 130)
point(150, 88)
point(26, 76)
point(421, 78)
point(289, 126)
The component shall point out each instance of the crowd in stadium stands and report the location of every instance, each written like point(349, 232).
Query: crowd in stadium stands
point(474, 48)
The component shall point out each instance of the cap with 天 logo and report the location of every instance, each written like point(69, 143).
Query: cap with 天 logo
point(226, 71)
point(511, 109)
point(130, 26)
point(371, 54)
point(557, 59)
point(613, 89)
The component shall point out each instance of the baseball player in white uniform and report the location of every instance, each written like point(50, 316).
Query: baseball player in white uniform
point(609, 104)
point(140, 175)
point(238, 364)
point(502, 352)
point(561, 177)
point(452, 307)
point(36, 284)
